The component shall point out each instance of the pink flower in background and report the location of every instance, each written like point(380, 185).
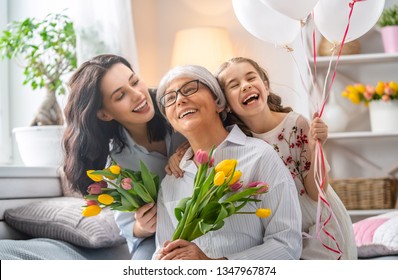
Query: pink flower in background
point(369, 92)
point(385, 98)
point(388, 90)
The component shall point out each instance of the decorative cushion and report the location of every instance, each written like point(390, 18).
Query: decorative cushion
point(377, 236)
point(61, 218)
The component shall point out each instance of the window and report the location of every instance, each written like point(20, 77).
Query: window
point(5, 134)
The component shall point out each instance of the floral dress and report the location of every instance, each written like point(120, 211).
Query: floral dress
point(290, 141)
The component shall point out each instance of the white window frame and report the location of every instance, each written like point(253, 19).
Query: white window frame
point(5, 133)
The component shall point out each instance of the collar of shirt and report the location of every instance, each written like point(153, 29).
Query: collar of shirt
point(235, 136)
point(131, 143)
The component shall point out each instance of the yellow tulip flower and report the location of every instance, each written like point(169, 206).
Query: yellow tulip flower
point(380, 88)
point(219, 178)
point(226, 166)
point(92, 210)
point(263, 212)
point(105, 199)
point(115, 169)
point(94, 177)
point(236, 177)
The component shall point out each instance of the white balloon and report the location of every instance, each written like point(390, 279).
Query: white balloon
point(265, 23)
point(331, 18)
point(297, 9)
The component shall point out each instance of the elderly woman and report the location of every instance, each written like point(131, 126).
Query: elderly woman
point(192, 101)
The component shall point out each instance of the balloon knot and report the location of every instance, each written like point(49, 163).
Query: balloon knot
point(289, 49)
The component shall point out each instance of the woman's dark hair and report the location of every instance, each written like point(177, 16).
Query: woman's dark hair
point(274, 101)
point(86, 138)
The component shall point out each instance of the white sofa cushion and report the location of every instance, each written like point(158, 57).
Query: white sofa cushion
point(377, 236)
point(60, 218)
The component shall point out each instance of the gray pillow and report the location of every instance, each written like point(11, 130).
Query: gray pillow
point(61, 218)
point(377, 235)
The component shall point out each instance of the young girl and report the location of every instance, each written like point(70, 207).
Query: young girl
point(259, 112)
point(110, 112)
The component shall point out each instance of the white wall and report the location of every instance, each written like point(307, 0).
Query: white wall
point(157, 21)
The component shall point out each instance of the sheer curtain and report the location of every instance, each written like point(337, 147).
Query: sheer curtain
point(5, 136)
point(105, 26)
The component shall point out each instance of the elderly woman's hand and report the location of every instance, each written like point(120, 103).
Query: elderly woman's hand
point(181, 250)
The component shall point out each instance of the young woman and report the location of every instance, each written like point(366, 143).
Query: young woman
point(259, 112)
point(191, 99)
point(111, 112)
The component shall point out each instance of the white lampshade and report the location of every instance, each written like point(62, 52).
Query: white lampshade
point(206, 46)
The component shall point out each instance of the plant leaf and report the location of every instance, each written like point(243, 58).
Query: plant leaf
point(181, 207)
point(143, 192)
point(148, 181)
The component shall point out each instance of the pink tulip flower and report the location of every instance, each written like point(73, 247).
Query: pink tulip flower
point(126, 183)
point(201, 157)
point(95, 188)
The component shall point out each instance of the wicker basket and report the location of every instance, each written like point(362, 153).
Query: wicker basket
point(366, 193)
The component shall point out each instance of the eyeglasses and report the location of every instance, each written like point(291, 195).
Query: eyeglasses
point(186, 89)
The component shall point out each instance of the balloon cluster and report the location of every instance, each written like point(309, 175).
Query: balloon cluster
point(279, 21)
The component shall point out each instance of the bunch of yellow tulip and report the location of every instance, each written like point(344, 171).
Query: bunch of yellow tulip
point(120, 189)
point(217, 194)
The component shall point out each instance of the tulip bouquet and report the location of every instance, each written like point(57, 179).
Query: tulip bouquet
point(120, 189)
point(217, 194)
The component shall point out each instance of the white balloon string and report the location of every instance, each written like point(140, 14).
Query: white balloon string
point(351, 6)
point(312, 78)
point(307, 91)
point(324, 98)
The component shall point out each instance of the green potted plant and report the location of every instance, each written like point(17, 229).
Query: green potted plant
point(388, 23)
point(46, 49)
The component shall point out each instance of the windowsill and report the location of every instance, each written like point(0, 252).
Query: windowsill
point(28, 171)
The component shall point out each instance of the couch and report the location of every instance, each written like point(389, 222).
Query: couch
point(41, 219)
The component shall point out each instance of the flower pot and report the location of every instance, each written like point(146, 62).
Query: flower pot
point(389, 34)
point(384, 116)
point(40, 145)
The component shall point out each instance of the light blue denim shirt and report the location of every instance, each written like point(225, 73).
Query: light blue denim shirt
point(130, 158)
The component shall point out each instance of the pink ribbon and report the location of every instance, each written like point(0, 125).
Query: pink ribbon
point(321, 226)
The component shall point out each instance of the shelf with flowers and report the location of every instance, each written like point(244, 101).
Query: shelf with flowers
point(382, 100)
